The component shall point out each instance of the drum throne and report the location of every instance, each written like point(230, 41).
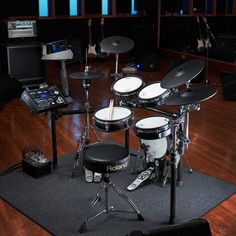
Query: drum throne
point(107, 158)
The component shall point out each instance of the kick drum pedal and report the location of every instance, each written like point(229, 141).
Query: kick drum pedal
point(141, 179)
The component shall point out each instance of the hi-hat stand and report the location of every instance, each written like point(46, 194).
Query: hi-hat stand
point(86, 76)
point(85, 138)
point(85, 135)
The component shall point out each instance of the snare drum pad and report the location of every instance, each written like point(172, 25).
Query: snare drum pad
point(119, 119)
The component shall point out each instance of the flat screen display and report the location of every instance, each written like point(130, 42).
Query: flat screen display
point(21, 28)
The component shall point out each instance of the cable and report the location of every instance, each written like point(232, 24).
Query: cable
point(10, 169)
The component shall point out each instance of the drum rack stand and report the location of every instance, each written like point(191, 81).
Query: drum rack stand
point(55, 114)
point(180, 123)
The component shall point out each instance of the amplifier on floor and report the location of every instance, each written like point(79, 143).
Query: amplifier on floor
point(35, 163)
point(151, 63)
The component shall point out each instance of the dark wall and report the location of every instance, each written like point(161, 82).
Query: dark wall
point(177, 33)
point(93, 6)
point(51, 30)
point(181, 34)
point(20, 8)
point(78, 28)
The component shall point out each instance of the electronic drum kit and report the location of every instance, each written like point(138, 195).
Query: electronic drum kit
point(160, 135)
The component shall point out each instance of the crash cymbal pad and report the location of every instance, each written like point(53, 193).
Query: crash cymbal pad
point(183, 74)
point(191, 95)
point(116, 44)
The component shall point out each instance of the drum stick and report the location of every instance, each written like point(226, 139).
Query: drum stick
point(110, 109)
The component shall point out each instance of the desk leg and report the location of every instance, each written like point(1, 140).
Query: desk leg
point(54, 139)
point(64, 80)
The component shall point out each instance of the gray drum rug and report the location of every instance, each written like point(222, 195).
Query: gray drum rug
point(59, 203)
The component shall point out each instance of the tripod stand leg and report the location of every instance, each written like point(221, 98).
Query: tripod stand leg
point(165, 173)
point(75, 165)
point(96, 135)
point(136, 168)
point(189, 167)
point(173, 191)
point(124, 196)
point(179, 177)
point(79, 154)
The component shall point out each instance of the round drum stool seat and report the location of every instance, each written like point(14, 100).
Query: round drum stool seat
point(106, 158)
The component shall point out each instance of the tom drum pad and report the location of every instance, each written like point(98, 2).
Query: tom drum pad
point(153, 94)
point(127, 87)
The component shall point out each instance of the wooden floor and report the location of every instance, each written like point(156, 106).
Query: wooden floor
point(212, 132)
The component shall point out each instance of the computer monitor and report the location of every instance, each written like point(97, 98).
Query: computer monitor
point(57, 46)
point(21, 28)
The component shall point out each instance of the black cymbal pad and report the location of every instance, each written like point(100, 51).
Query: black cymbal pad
point(183, 74)
point(86, 75)
point(116, 44)
point(191, 95)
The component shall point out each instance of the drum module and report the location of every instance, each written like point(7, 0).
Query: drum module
point(43, 98)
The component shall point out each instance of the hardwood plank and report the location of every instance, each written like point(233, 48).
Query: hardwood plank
point(223, 213)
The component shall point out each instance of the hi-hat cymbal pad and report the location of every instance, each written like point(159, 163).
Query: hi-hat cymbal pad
point(86, 75)
point(116, 44)
point(183, 74)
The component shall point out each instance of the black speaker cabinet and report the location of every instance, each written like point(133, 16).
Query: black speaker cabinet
point(229, 86)
point(198, 227)
point(150, 62)
point(25, 64)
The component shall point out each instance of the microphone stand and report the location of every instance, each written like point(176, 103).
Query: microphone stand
point(208, 45)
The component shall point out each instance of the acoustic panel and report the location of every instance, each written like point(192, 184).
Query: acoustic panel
point(229, 87)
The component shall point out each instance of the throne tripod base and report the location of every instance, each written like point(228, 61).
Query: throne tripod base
point(107, 183)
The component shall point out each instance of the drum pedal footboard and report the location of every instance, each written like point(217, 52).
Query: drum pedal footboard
point(141, 179)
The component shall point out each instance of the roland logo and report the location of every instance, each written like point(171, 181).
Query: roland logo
point(117, 167)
